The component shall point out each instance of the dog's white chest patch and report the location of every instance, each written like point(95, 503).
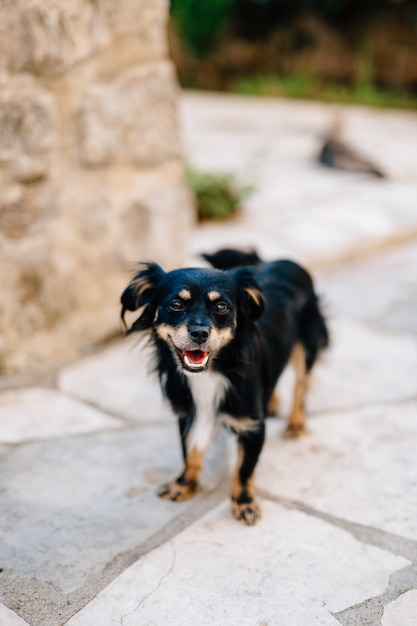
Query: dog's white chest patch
point(208, 390)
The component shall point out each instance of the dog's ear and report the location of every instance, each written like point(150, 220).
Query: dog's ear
point(253, 298)
point(140, 293)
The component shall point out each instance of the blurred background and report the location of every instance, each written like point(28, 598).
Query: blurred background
point(334, 50)
point(137, 130)
point(107, 157)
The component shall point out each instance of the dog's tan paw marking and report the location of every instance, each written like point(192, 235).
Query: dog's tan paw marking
point(293, 431)
point(248, 512)
point(177, 491)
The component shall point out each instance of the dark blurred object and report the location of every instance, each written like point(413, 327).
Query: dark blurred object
point(337, 154)
point(257, 19)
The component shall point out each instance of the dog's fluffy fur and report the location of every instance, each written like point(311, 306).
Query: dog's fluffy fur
point(222, 336)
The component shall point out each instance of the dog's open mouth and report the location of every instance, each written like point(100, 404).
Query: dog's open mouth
point(194, 360)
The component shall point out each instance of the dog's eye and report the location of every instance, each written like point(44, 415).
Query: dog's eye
point(176, 305)
point(222, 308)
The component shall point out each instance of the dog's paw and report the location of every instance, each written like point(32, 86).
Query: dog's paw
point(178, 490)
point(293, 431)
point(247, 512)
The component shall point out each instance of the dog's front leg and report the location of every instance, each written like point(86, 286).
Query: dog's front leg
point(186, 485)
point(244, 505)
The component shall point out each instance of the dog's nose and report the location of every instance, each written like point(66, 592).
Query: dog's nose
point(199, 333)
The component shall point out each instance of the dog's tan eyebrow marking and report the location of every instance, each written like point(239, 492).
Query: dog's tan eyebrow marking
point(184, 294)
point(213, 295)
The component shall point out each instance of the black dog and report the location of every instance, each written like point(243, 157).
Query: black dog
point(222, 337)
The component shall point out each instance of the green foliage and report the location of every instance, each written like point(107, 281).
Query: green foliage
point(199, 22)
point(311, 88)
point(271, 85)
point(218, 196)
point(368, 94)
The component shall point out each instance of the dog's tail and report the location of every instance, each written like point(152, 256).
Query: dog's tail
point(228, 258)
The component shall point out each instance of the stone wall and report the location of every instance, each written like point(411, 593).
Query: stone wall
point(91, 172)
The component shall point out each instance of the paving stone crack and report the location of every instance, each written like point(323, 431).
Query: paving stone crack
point(70, 604)
point(96, 406)
point(400, 546)
point(365, 250)
point(369, 612)
point(148, 595)
point(127, 422)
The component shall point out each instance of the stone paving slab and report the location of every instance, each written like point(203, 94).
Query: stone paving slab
point(364, 365)
point(250, 127)
point(299, 208)
point(71, 506)
point(118, 380)
point(330, 229)
point(220, 572)
point(38, 413)
point(382, 288)
point(9, 618)
point(359, 465)
point(402, 611)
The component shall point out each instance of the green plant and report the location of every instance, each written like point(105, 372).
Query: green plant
point(218, 196)
point(299, 86)
point(199, 22)
point(294, 86)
